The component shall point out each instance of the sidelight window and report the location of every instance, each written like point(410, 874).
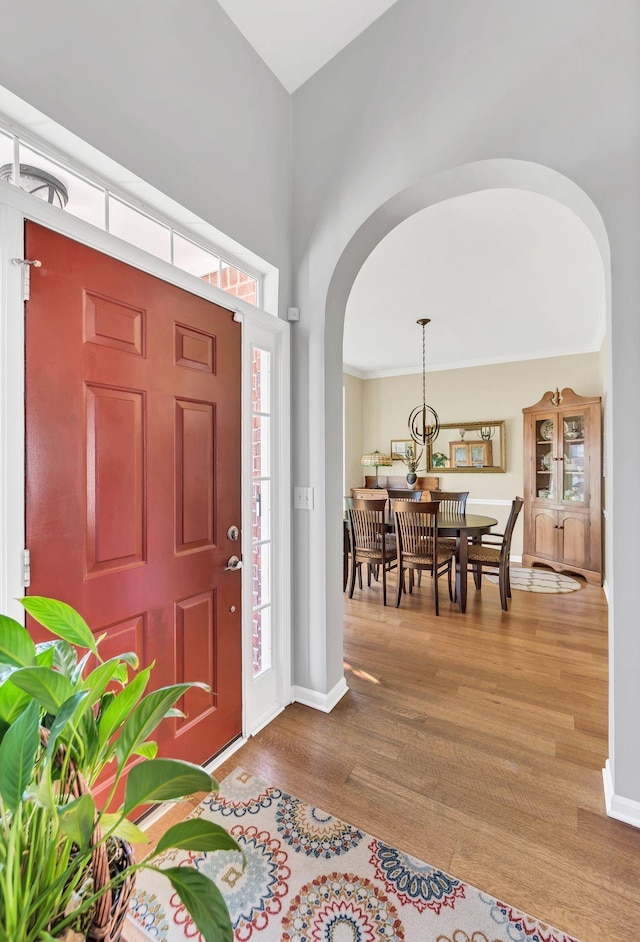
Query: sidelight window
point(261, 521)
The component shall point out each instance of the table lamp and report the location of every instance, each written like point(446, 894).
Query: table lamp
point(376, 460)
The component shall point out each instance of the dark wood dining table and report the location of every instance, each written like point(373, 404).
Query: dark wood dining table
point(461, 526)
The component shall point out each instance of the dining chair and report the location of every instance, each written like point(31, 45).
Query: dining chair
point(492, 552)
point(451, 502)
point(416, 526)
point(346, 553)
point(401, 493)
point(370, 543)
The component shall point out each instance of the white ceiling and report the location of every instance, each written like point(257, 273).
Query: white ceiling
point(503, 274)
point(297, 37)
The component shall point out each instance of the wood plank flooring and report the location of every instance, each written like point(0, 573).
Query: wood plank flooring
point(475, 742)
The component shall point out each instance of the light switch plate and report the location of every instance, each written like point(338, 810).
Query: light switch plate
point(303, 498)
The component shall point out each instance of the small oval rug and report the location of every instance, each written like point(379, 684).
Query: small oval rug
point(539, 580)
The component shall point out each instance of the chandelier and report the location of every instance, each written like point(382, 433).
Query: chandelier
point(424, 423)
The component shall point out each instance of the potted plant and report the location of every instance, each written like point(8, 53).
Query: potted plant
point(66, 867)
point(412, 460)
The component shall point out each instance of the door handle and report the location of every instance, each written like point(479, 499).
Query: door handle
point(233, 563)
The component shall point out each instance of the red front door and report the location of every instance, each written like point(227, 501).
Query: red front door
point(133, 473)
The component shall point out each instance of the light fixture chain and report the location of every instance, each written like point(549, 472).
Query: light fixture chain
point(424, 369)
point(423, 431)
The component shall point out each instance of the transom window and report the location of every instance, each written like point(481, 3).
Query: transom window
point(97, 203)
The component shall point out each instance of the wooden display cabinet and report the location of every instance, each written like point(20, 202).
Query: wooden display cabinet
point(563, 484)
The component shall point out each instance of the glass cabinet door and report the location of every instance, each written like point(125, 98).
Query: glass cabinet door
point(544, 458)
point(573, 458)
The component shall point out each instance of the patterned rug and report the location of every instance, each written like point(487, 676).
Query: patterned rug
point(539, 580)
point(310, 877)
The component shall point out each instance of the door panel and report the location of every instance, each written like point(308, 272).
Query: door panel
point(575, 539)
point(133, 473)
point(545, 532)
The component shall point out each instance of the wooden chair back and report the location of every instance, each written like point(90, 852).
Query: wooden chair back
point(416, 524)
point(370, 543)
point(416, 528)
point(451, 502)
point(403, 494)
point(367, 527)
point(505, 549)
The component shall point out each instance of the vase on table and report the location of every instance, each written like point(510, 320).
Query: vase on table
point(412, 477)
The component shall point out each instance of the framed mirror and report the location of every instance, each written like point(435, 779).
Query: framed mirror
point(465, 447)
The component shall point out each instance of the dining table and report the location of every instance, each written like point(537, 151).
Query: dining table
point(462, 527)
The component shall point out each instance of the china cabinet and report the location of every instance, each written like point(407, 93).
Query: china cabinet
point(563, 484)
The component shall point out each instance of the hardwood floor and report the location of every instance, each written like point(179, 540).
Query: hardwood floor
point(475, 742)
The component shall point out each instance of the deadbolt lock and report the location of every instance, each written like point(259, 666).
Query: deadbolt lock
point(233, 533)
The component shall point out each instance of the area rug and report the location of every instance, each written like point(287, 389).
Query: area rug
point(539, 580)
point(310, 877)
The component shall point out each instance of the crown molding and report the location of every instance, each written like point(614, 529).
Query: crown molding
point(470, 364)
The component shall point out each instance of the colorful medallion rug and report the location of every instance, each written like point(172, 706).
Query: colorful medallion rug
point(539, 580)
point(310, 877)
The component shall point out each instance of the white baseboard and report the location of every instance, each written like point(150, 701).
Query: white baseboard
point(623, 809)
point(321, 701)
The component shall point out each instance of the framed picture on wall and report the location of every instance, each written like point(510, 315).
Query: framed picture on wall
point(399, 448)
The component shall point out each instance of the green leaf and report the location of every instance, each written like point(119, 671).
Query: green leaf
point(145, 718)
point(45, 655)
point(99, 679)
point(130, 658)
point(61, 620)
point(12, 702)
point(77, 820)
point(203, 900)
point(66, 713)
point(16, 646)
point(65, 658)
point(76, 676)
point(197, 834)
point(48, 687)
point(123, 828)
point(164, 780)
point(115, 713)
point(18, 752)
point(42, 793)
point(148, 750)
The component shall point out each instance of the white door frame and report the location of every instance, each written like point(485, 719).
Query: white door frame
point(15, 208)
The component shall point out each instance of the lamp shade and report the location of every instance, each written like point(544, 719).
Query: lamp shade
point(376, 459)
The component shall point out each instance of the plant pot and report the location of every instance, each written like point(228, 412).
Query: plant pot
point(412, 477)
point(108, 860)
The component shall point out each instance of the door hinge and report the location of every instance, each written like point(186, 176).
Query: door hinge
point(26, 568)
point(26, 273)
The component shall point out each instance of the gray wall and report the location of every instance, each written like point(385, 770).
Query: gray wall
point(173, 92)
point(440, 84)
